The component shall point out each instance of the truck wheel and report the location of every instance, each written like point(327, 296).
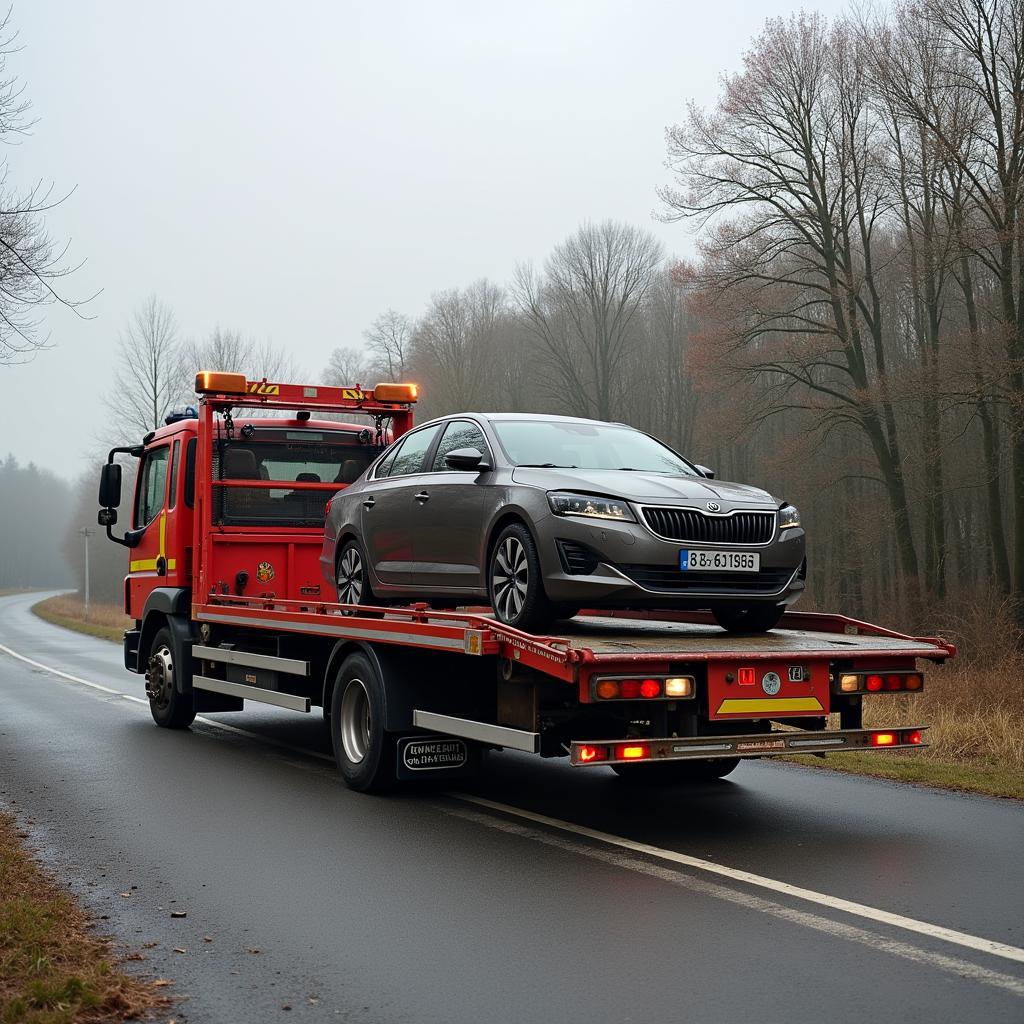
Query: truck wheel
point(748, 618)
point(515, 584)
point(352, 577)
point(170, 709)
point(675, 772)
point(364, 751)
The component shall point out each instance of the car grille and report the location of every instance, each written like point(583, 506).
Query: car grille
point(687, 524)
point(670, 580)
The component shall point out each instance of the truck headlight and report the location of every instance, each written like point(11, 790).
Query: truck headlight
point(566, 504)
point(789, 515)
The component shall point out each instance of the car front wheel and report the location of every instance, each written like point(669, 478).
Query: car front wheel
point(748, 618)
point(515, 583)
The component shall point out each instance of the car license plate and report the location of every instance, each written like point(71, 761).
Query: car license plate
point(719, 561)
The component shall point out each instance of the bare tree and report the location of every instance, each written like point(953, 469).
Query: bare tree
point(347, 367)
point(389, 339)
point(148, 375)
point(233, 352)
point(583, 308)
point(32, 265)
point(454, 345)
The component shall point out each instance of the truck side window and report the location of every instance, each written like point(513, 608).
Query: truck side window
point(149, 496)
point(172, 494)
point(190, 473)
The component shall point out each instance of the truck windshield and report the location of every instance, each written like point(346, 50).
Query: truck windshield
point(565, 443)
point(332, 457)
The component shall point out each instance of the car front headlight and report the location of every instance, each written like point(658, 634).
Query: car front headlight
point(593, 507)
point(789, 515)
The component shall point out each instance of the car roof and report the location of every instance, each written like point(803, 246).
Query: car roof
point(540, 417)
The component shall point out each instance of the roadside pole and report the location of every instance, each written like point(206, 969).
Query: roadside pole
point(86, 533)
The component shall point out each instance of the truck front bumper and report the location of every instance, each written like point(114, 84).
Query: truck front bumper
point(584, 753)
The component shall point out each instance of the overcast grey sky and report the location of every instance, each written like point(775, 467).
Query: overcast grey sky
point(292, 170)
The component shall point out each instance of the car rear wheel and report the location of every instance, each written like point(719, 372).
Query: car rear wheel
point(353, 579)
point(748, 618)
point(515, 584)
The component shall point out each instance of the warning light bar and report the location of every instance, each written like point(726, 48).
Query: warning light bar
point(396, 392)
point(209, 383)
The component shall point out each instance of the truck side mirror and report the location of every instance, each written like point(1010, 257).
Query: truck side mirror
point(110, 486)
point(107, 517)
point(708, 474)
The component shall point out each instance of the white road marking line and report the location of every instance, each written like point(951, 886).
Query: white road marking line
point(705, 887)
point(57, 672)
point(910, 924)
point(783, 888)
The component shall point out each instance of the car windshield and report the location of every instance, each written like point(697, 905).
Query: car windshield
point(565, 444)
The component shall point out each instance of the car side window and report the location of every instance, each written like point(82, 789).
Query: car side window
point(458, 434)
point(409, 457)
point(149, 498)
point(384, 469)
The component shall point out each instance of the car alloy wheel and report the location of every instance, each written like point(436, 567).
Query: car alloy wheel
point(350, 576)
point(511, 579)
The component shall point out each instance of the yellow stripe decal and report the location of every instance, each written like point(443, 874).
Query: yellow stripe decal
point(733, 706)
point(149, 564)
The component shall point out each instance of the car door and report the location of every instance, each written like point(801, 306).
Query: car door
point(450, 509)
point(386, 512)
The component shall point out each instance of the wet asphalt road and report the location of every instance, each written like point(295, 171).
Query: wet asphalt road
point(424, 907)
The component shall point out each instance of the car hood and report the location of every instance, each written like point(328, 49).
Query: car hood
point(642, 486)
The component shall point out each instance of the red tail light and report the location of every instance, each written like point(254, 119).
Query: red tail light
point(327, 507)
point(914, 737)
point(650, 688)
point(629, 689)
point(884, 739)
point(587, 755)
point(874, 683)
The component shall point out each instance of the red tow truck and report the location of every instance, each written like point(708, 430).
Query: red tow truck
point(229, 605)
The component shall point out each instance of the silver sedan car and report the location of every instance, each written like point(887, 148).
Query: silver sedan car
point(540, 516)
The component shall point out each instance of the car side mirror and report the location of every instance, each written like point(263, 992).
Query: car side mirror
point(708, 474)
point(110, 486)
point(466, 459)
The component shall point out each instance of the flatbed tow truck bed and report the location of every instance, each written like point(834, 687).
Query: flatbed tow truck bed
point(810, 651)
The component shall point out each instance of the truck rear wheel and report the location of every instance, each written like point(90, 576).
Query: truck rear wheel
point(675, 772)
point(169, 708)
point(363, 749)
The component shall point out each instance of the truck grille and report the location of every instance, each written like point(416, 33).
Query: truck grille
point(670, 580)
point(687, 524)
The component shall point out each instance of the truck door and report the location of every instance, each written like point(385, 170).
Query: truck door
point(149, 564)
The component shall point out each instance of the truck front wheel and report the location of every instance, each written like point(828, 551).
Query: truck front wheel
point(363, 749)
point(169, 708)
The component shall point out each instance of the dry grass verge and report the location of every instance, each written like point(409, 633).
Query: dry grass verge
point(107, 621)
point(52, 971)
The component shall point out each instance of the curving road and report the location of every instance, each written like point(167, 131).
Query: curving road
point(542, 894)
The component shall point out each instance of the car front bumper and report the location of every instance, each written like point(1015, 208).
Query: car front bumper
point(614, 564)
